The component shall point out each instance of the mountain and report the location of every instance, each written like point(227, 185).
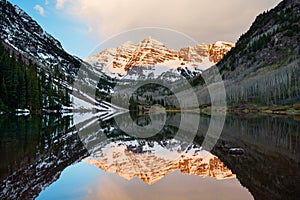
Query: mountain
point(272, 39)
point(263, 67)
point(26, 36)
point(36, 71)
point(39, 62)
point(200, 53)
point(56, 69)
point(116, 62)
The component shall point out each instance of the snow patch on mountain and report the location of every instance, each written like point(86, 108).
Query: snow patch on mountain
point(155, 59)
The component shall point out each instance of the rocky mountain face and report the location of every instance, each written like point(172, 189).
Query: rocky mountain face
point(151, 52)
point(21, 32)
point(197, 54)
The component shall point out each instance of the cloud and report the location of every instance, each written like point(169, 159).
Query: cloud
point(40, 9)
point(204, 20)
point(60, 4)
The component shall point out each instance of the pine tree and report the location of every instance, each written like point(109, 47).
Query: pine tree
point(50, 93)
point(67, 98)
point(21, 90)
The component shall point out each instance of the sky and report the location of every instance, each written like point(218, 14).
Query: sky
point(81, 25)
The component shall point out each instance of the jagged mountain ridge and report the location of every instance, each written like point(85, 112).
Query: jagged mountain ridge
point(151, 52)
point(25, 35)
point(215, 52)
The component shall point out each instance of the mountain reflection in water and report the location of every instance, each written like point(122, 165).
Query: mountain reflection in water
point(42, 157)
point(151, 167)
point(152, 158)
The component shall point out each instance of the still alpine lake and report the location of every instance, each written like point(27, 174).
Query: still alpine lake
point(82, 157)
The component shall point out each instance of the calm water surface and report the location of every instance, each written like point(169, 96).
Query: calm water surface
point(43, 157)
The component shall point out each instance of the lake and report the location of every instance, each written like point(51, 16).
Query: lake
point(83, 157)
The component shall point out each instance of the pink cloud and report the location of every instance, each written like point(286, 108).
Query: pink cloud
point(40, 9)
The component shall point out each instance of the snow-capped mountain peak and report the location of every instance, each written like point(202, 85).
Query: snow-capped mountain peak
point(149, 52)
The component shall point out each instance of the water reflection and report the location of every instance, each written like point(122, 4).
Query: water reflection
point(270, 165)
point(35, 150)
point(151, 158)
point(174, 186)
point(151, 167)
point(98, 184)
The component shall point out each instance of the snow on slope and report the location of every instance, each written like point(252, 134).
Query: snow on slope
point(118, 62)
point(26, 36)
